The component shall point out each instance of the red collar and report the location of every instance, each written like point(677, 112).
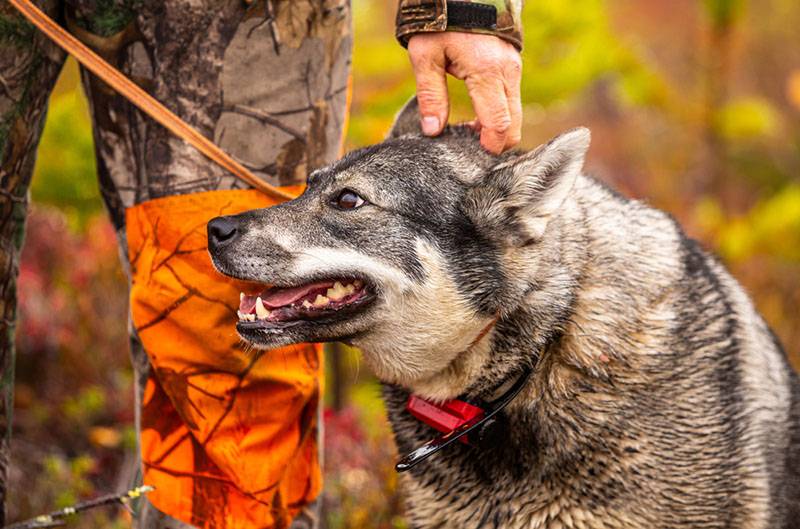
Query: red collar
point(446, 416)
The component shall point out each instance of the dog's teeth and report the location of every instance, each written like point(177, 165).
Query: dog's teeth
point(261, 310)
point(240, 314)
point(337, 292)
point(241, 297)
point(349, 289)
point(321, 301)
point(250, 317)
point(306, 304)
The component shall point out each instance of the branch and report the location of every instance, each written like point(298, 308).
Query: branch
point(56, 518)
point(269, 119)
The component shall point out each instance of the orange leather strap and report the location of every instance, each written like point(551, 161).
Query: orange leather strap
point(141, 99)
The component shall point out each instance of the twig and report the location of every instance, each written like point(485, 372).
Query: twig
point(269, 119)
point(56, 518)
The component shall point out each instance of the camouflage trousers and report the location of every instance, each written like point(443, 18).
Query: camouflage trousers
point(266, 79)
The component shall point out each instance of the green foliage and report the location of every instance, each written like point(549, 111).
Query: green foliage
point(747, 118)
point(65, 174)
point(129, 441)
point(85, 406)
point(380, 73)
point(771, 227)
point(724, 13)
point(74, 472)
point(567, 46)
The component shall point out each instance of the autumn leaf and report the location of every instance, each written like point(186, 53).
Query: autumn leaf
point(105, 436)
point(793, 89)
point(293, 19)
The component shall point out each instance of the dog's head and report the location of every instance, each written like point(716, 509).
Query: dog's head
point(406, 249)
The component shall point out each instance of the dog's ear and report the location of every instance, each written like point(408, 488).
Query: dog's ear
point(519, 196)
point(407, 120)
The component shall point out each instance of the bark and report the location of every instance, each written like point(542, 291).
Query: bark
point(28, 69)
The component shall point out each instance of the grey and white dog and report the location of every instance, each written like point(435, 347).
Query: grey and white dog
point(658, 398)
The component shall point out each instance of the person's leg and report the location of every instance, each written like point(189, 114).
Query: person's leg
point(267, 81)
point(29, 67)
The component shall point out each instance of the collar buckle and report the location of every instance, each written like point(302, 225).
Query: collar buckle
point(446, 416)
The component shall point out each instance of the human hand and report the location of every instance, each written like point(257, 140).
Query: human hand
point(490, 67)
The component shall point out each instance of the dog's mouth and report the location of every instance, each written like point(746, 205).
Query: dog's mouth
point(316, 302)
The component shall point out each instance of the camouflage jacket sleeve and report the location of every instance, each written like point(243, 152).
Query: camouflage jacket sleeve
point(493, 17)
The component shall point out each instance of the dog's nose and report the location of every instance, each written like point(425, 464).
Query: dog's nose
point(221, 231)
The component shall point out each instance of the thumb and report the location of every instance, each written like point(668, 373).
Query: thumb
point(428, 61)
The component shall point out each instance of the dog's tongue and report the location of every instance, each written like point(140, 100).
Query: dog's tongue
point(278, 297)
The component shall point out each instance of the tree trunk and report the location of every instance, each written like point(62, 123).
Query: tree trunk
point(29, 67)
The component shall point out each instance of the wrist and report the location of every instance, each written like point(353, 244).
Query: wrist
point(492, 17)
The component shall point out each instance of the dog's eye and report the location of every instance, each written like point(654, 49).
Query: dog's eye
point(348, 199)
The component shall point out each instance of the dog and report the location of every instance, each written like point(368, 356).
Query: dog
point(656, 397)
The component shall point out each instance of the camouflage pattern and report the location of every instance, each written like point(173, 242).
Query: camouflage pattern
point(430, 16)
point(266, 79)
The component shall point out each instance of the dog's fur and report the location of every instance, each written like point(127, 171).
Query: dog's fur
point(659, 396)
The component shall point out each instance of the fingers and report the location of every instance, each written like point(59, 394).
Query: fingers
point(489, 100)
point(495, 94)
point(492, 71)
point(428, 60)
point(512, 78)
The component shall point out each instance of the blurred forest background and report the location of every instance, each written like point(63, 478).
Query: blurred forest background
point(694, 107)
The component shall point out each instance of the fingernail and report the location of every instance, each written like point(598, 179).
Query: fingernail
point(430, 125)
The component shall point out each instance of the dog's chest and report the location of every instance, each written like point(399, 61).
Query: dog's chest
point(505, 488)
point(517, 507)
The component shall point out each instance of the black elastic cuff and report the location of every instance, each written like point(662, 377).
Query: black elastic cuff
point(469, 15)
